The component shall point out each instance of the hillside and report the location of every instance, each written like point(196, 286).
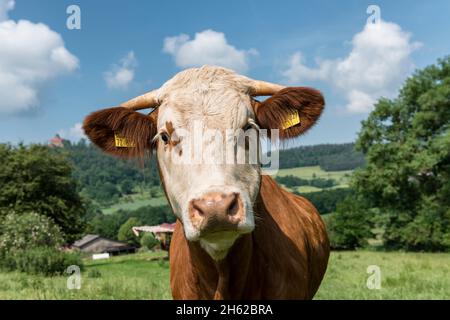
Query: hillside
point(330, 157)
point(106, 179)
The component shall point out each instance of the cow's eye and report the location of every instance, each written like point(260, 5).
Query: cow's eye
point(251, 124)
point(165, 137)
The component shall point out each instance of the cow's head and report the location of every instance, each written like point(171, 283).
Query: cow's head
point(212, 197)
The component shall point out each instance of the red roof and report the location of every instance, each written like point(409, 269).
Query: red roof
point(56, 141)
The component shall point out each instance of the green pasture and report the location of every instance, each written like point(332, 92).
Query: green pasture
point(146, 276)
point(316, 171)
point(135, 202)
point(342, 178)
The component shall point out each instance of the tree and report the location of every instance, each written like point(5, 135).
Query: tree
point(326, 201)
point(32, 178)
point(350, 226)
point(126, 186)
point(126, 233)
point(148, 241)
point(406, 142)
point(108, 225)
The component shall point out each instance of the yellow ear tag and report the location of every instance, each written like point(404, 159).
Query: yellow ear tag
point(292, 120)
point(121, 142)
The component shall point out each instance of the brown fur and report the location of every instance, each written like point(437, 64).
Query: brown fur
point(285, 257)
point(273, 112)
point(135, 127)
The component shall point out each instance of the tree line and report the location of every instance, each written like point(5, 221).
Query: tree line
point(330, 157)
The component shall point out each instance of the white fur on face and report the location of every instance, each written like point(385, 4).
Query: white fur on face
point(205, 98)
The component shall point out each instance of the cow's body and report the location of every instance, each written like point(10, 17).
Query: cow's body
point(285, 257)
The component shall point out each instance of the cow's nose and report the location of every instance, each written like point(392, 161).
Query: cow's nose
point(216, 211)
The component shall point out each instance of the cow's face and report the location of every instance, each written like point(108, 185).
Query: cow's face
point(204, 133)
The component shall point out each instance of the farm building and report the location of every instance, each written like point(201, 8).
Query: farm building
point(162, 232)
point(92, 243)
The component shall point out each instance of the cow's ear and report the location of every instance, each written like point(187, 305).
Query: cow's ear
point(121, 132)
point(292, 110)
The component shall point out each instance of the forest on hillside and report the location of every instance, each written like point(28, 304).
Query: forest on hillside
point(104, 178)
point(330, 157)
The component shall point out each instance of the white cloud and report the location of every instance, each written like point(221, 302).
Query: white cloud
point(121, 75)
point(5, 6)
point(31, 54)
point(74, 133)
point(207, 47)
point(379, 61)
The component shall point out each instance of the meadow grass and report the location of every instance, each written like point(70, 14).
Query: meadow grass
point(342, 178)
point(146, 276)
point(136, 203)
point(403, 276)
point(134, 276)
point(308, 172)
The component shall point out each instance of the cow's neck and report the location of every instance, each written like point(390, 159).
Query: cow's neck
point(225, 279)
point(228, 278)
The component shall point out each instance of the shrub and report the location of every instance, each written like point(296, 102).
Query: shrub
point(41, 260)
point(149, 241)
point(28, 230)
point(126, 233)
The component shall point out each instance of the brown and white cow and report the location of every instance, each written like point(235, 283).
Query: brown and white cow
point(238, 235)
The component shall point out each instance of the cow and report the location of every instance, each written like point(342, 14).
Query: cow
point(238, 234)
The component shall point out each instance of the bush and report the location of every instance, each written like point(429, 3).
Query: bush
point(149, 241)
point(291, 181)
point(41, 260)
point(126, 233)
point(322, 183)
point(28, 230)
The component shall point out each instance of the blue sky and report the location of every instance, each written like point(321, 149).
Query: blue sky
point(51, 77)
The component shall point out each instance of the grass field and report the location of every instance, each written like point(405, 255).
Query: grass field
point(134, 276)
point(140, 276)
point(136, 204)
point(342, 178)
